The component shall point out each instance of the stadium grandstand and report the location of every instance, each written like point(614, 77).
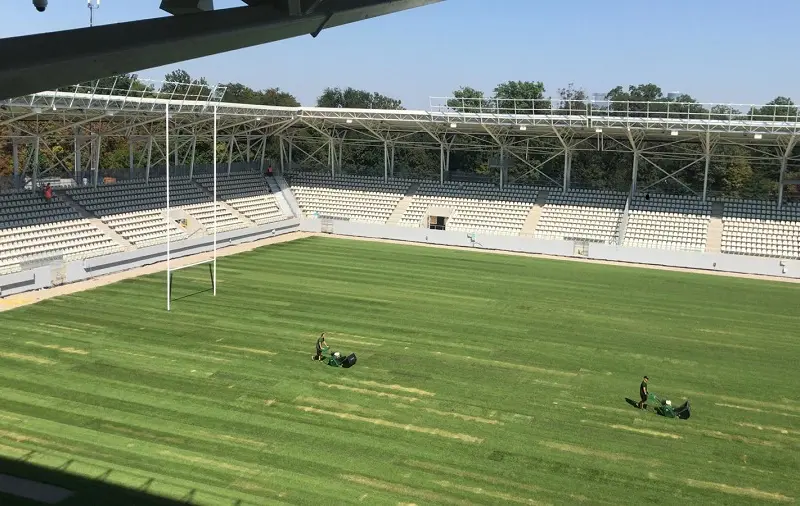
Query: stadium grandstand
point(282, 168)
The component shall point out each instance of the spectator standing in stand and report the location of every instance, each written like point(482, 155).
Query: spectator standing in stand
point(48, 192)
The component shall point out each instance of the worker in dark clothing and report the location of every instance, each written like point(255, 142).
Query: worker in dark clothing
point(643, 393)
point(321, 346)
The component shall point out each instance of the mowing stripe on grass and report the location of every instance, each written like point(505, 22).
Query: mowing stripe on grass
point(27, 358)
point(409, 390)
point(386, 423)
point(365, 391)
point(747, 492)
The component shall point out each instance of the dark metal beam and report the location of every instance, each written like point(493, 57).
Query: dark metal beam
point(47, 61)
point(180, 7)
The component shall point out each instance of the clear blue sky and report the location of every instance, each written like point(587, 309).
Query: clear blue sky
point(738, 51)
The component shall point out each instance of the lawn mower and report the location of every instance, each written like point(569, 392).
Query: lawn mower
point(336, 359)
point(665, 408)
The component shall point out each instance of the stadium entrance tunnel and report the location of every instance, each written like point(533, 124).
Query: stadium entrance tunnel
point(437, 222)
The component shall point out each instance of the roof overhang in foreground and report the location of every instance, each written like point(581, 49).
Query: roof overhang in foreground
point(51, 60)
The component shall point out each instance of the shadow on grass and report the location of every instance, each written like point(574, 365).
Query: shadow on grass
point(199, 292)
point(23, 483)
point(632, 402)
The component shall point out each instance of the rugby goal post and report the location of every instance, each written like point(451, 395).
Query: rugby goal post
point(211, 262)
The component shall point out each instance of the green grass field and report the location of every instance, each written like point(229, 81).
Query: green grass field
point(481, 379)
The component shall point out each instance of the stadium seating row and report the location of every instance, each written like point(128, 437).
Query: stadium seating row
point(654, 221)
point(33, 229)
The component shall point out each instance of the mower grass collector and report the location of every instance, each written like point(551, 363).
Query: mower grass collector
point(335, 359)
point(665, 408)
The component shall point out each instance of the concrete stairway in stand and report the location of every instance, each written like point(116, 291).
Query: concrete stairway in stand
point(286, 192)
point(244, 219)
point(532, 221)
point(97, 222)
point(714, 241)
point(280, 199)
point(402, 206)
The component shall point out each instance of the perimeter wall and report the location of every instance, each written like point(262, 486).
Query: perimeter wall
point(79, 270)
point(692, 260)
point(52, 275)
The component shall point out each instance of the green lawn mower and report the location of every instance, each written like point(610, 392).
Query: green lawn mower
point(665, 408)
point(336, 359)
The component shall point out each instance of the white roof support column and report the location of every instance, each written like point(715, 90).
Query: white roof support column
point(568, 143)
point(149, 159)
point(247, 150)
point(192, 157)
point(35, 176)
point(97, 146)
point(76, 132)
point(787, 152)
point(263, 152)
point(283, 154)
point(15, 162)
point(130, 159)
point(385, 161)
point(441, 163)
point(231, 142)
point(708, 142)
point(391, 160)
point(635, 139)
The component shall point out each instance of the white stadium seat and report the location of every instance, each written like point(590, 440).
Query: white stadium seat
point(756, 227)
point(668, 222)
point(582, 215)
point(361, 199)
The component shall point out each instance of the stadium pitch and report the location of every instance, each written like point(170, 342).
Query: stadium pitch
point(481, 379)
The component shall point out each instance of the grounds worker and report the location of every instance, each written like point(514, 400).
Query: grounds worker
point(321, 345)
point(643, 393)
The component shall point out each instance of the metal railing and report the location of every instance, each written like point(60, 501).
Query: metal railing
point(662, 109)
point(124, 93)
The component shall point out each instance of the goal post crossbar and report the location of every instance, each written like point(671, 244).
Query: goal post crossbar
point(193, 264)
point(169, 223)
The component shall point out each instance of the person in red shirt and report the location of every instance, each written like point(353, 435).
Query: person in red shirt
point(48, 192)
point(269, 171)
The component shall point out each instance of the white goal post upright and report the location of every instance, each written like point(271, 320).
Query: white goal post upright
point(212, 261)
point(214, 161)
point(169, 219)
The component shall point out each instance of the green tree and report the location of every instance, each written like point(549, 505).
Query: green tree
point(521, 97)
point(278, 97)
point(469, 100)
point(356, 99)
point(238, 93)
point(573, 100)
point(179, 84)
point(778, 109)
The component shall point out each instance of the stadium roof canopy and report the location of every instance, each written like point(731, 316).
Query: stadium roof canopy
point(645, 129)
point(33, 63)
